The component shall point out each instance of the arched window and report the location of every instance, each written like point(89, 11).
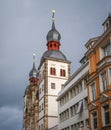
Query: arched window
point(62, 72)
point(52, 71)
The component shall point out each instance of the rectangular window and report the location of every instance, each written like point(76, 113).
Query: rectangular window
point(72, 127)
point(77, 90)
point(86, 122)
point(86, 103)
point(106, 115)
point(80, 87)
point(94, 120)
point(71, 109)
point(104, 81)
point(52, 85)
point(72, 93)
point(93, 91)
point(85, 82)
point(80, 107)
point(42, 127)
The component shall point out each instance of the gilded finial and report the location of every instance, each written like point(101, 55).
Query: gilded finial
point(53, 13)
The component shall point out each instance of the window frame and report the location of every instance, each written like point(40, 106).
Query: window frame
point(63, 72)
point(92, 92)
point(107, 49)
point(94, 120)
point(53, 86)
point(104, 112)
point(52, 71)
point(103, 82)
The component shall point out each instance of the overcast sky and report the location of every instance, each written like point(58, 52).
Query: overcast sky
point(24, 25)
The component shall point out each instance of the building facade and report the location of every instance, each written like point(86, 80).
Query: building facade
point(84, 99)
point(53, 71)
point(99, 83)
point(31, 101)
point(73, 101)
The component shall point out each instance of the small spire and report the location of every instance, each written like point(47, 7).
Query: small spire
point(53, 19)
point(53, 13)
point(34, 60)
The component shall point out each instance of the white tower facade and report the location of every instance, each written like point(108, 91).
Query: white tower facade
point(54, 71)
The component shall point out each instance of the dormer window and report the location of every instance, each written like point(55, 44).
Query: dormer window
point(107, 49)
point(107, 22)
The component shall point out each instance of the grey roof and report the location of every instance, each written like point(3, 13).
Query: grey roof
point(53, 34)
point(56, 54)
point(33, 73)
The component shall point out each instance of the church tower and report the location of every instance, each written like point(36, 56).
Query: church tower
point(31, 97)
point(54, 71)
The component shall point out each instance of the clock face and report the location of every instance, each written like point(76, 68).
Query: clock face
point(55, 36)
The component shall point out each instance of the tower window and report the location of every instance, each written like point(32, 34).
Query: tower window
point(62, 72)
point(52, 71)
point(52, 85)
point(50, 45)
point(26, 110)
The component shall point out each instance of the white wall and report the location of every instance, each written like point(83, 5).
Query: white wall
point(52, 122)
point(80, 96)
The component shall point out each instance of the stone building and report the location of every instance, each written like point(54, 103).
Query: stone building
point(31, 101)
point(40, 96)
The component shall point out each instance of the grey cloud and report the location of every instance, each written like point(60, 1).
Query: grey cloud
point(10, 117)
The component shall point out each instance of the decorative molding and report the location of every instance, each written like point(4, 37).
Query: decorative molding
point(92, 106)
point(104, 97)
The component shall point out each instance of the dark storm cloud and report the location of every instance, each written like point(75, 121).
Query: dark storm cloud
point(23, 28)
